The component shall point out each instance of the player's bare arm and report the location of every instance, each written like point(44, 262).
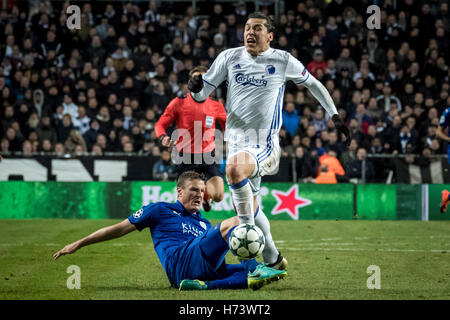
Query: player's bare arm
point(107, 233)
point(441, 134)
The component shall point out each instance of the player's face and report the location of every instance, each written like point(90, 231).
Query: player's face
point(256, 37)
point(191, 195)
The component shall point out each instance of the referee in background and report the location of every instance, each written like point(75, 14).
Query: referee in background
point(193, 149)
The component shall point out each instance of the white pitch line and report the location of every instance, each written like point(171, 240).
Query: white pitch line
point(11, 244)
point(364, 249)
point(284, 241)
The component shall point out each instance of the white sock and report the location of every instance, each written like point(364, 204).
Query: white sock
point(242, 196)
point(270, 252)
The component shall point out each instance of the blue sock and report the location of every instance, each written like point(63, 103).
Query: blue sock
point(234, 277)
point(237, 280)
point(250, 265)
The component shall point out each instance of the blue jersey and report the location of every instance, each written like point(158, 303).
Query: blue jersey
point(445, 119)
point(172, 229)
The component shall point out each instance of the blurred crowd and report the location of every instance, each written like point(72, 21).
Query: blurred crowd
point(102, 88)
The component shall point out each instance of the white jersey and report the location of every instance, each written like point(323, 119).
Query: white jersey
point(255, 92)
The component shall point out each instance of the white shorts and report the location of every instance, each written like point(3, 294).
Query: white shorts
point(267, 159)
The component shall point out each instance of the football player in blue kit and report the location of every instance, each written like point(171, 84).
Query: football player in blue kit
point(443, 124)
point(191, 251)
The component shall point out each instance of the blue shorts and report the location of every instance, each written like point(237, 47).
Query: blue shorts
point(204, 257)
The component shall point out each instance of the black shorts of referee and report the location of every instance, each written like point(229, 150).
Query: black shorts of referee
point(191, 162)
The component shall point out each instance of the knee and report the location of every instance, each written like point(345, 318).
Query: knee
point(233, 222)
point(235, 173)
point(218, 195)
point(215, 188)
point(227, 225)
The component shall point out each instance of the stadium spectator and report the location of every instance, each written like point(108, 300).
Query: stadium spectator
point(59, 149)
point(27, 148)
point(75, 139)
point(318, 121)
point(15, 139)
point(325, 176)
point(334, 143)
point(330, 161)
point(318, 63)
point(96, 150)
point(356, 166)
point(113, 144)
point(128, 148)
point(291, 119)
point(90, 136)
point(46, 146)
point(386, 99)
point(81, 121)
point(304, 166)
point(346, 62)
point(163, 169)
point(69, 107)
point(349, 155)
point(128, 120)
point(403, 139)
point(5, 146)
point(63, 128)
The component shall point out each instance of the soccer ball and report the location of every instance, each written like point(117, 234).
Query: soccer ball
point(246, 241)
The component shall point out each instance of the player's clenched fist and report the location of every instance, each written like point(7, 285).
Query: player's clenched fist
point(342, 128)
point(195, 84)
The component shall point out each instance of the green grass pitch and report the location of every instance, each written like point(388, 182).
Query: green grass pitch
point(327, 260)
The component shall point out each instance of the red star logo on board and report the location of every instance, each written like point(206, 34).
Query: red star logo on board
point(289, 202)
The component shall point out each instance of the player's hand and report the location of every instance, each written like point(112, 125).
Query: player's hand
point(195, 84)
point(342, 128)
point(167, 142)
point(70, 248)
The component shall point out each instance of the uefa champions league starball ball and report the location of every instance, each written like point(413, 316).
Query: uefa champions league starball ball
point(246, 241)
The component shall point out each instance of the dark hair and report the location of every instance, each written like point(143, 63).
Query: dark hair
point(259, 15)
point(197, 69)
point(189, 175)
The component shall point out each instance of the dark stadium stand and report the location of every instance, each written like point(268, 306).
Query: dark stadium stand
point(100, 89)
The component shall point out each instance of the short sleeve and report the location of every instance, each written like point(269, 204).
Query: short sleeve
point(296, 71)
point(215, 75)
point(218, 71)
point(144, 217)
point(167, 118)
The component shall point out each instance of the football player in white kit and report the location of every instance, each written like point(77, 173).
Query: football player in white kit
point(256, 75)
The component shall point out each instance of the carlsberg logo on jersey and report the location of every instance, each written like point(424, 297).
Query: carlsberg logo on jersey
point(245, 79)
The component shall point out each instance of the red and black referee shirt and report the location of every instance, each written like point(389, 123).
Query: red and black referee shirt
point(198, 118)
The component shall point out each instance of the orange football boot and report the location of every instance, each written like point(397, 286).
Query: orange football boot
point(444, 201)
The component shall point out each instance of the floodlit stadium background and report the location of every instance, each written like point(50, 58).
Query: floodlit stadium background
point(77, 115)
